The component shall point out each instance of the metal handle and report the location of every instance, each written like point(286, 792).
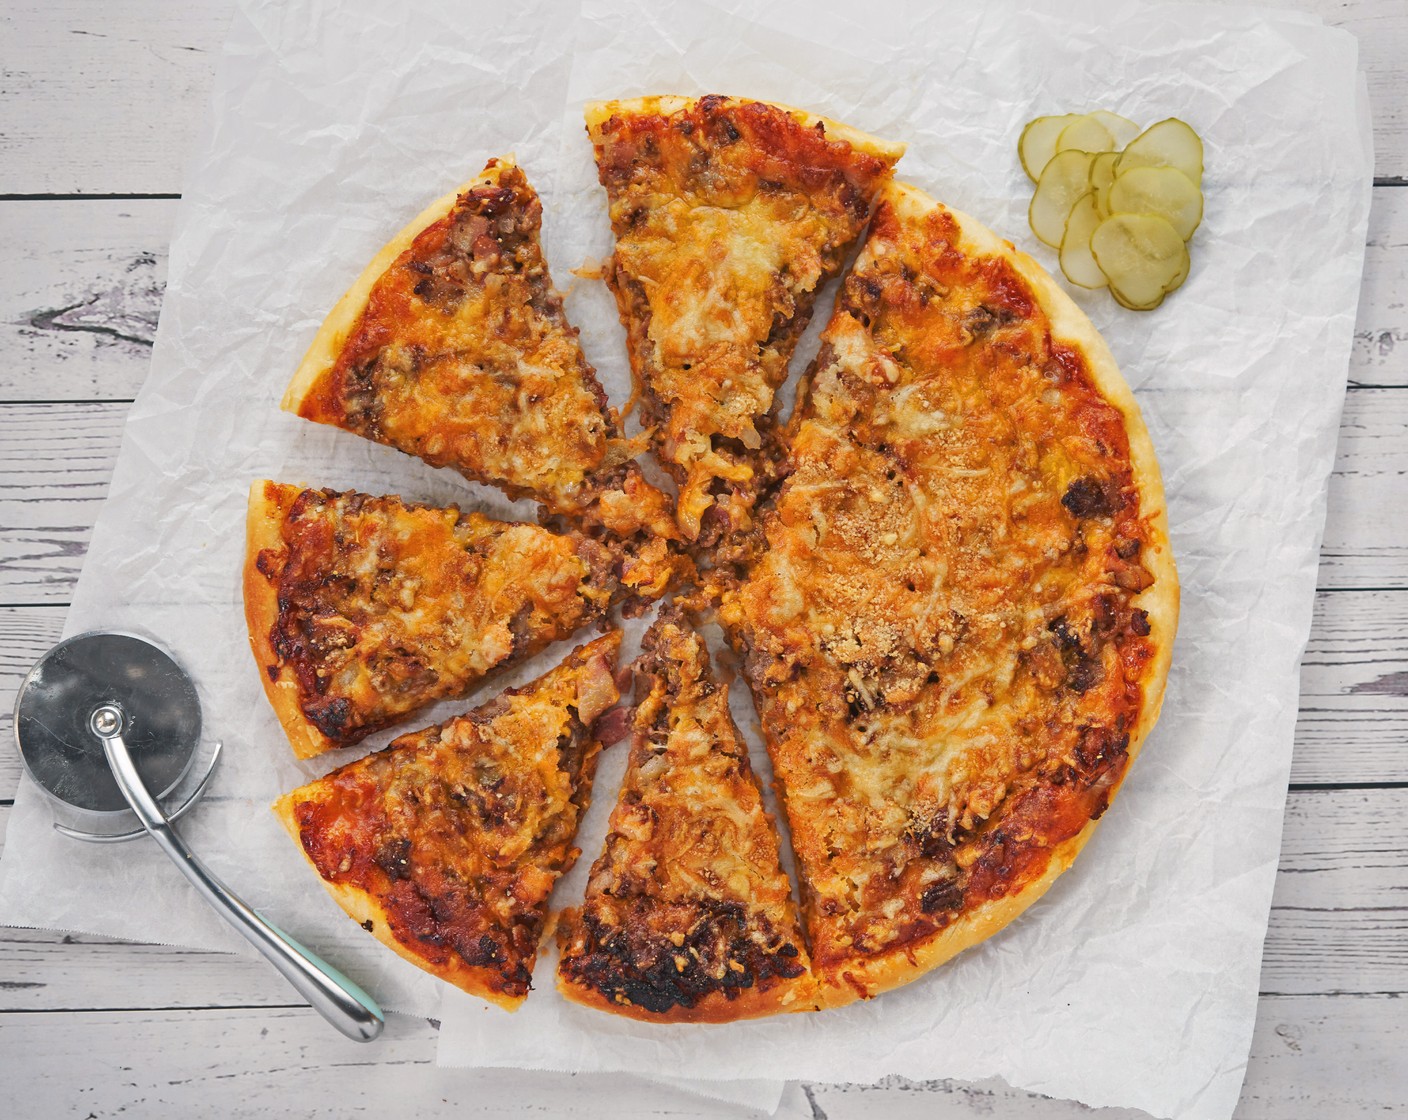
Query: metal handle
point(336, 998)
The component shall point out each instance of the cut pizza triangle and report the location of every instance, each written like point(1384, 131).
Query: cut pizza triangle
point(364, 609)
point(688, 916)
point(958, 628)
point(446, 845)
point(728, 215)
point(453, 346)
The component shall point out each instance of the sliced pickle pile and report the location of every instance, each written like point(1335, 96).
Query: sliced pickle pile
point(1119, 205)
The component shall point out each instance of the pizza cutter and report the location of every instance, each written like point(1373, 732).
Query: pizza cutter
point(107, 724)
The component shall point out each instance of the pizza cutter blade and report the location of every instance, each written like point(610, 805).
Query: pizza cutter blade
point(104, 719)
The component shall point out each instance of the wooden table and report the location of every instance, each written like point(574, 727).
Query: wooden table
point(99, 104)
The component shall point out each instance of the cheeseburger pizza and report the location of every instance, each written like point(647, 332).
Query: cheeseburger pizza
point(688, 917)
point(362, 609)
point(959, 624)
point(453, 346)
point(948, 577)
point(728, 215)
point(446, 845)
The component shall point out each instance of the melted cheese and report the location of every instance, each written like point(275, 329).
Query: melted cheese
point(941, 619)
point(461, 355)
point(458, 832)
point(687, 902)
point(728, 215)
point(385, 607)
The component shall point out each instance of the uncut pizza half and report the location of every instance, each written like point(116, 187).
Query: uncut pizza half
point(948, 577)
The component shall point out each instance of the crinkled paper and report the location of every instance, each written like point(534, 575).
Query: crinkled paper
point(1134, 981)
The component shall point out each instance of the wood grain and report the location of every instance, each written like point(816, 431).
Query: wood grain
point(1353, 705)
point(79, 304)
point(55, 465)
point(284, 1061)
point(105, 98)
point(55, 460)
point(80, 297)
point(1339, 924)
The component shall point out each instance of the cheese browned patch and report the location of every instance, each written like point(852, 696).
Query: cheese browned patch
point(728, 215)
point(363, 609)
point(688, 916)
point(453, 346)
point(446, 845)
point(959, 631)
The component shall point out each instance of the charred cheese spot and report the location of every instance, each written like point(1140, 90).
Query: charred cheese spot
point(458, 832)
point(939, 633)
point(728, 215)
point(687, 908)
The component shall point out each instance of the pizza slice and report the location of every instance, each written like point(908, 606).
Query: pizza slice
point(688, 916)
point(363, 609)
point(453, 346)
point(959, 632)
point(728, 215)
point(446, 845)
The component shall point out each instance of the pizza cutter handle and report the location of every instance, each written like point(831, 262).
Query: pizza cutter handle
point(336, 998)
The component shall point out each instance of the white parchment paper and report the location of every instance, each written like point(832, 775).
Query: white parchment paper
point(1134, 981)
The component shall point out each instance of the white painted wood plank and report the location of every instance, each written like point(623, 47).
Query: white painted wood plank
point(105, 98)
point(80, 295)
point(1337, 1057)
point(1339, 924)
point(1366, 545)
point(55, 462)
point(1353, 704)
point(1353, 722)
point(55, 465)
point(1380, 355)
point(79, 302)
point(260, 1063)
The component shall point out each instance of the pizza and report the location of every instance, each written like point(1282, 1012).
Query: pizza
point(958, 626)
point(446, 845)
point(728, 215)
point(688, 917)
point(363, 609)
point(948, 578)
point(453, 346)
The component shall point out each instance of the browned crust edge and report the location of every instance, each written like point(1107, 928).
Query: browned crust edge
point(363, 908)
point(342, 320)
point(269, 504)
point(597, 113)
point(713, 1008)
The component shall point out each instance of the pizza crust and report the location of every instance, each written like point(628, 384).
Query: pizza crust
point(367, 912)
point(268, 509)
point(342, 320)
point(864, 979)
point(712, 1008)
point(599, 112)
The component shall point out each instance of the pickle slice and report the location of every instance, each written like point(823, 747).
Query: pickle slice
point(1102, 174)
point(1064, 179)
point(1170, 143)
point(1121, 128)
point(1038, 143)
point(1085, 134)
point(1077, 261)
point(1163, 191)
point(1143, 257)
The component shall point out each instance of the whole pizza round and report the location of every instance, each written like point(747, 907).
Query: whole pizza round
point(947, 577)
